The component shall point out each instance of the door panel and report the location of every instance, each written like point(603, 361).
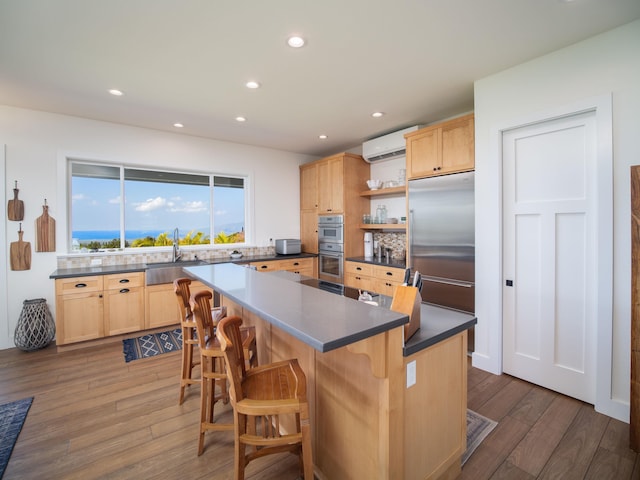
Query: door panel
point(549, 311)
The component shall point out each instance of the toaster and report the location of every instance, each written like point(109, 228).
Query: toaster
point(287, 246)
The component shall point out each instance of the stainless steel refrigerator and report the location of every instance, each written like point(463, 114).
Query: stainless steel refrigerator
point(442, 238)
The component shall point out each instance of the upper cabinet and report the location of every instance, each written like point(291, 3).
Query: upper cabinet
point(446, 147)
point(332, 185)
point(309, 186)
point(331, 181)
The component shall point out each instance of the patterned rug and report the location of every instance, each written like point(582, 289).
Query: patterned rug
point(478, 427)
point(152, 344)
point(12, 416)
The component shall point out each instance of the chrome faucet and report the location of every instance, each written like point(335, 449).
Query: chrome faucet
point(176, 249)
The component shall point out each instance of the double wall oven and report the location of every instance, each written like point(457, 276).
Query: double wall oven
point(330, 247)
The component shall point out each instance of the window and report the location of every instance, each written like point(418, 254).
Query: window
point(122, 207)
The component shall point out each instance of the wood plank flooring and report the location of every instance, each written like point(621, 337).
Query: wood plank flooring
point(95, 416)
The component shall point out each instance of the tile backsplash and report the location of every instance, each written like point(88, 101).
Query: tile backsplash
point(396, 241)
point(121, 258)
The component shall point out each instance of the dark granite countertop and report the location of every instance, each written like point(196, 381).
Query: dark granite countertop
point(141, 267)
point(306, 314)
point(375, 261)
point(322, 320)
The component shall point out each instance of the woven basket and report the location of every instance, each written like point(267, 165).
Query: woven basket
point(36, 327)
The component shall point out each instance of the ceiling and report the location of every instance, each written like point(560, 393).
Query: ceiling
point(188, 61)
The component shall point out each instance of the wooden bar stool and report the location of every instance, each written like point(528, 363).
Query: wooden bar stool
point(181, 287)
point(262, 397)
point(212, 363)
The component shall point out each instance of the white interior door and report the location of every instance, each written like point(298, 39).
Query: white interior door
point(550, 261)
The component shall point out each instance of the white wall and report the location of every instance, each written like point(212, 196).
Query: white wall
point(608, 64)
point(35, 141)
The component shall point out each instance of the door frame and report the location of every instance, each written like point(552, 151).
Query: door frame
point(4, 275)
point(491, 329)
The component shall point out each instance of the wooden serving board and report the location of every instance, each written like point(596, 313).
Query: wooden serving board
point(15, 208)
point(45, 232)
point(20, 254)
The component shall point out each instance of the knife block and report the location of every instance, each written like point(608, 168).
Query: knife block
point(407, 300)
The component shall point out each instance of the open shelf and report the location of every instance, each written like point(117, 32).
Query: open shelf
point(383, 226)
point(401, 190)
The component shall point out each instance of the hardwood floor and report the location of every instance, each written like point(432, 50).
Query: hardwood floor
point(95, 416)
point(544, 435)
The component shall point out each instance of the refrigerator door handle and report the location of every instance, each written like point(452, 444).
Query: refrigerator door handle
point(446, 281)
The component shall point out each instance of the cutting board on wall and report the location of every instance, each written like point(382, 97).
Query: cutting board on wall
point(15, 207)
point(45, 231)
point(20, 253)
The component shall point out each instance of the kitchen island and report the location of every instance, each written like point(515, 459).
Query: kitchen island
point(379, 408)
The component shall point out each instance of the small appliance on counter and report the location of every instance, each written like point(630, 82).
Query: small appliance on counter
point(288, 246)
point(368, 244)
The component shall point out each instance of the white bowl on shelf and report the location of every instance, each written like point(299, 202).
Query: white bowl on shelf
point(235, 256)
point(374, 184)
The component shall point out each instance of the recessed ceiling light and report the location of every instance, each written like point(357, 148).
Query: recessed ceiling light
point(178, 125)
point(252, 84)
point(117, 93)
point(377, 114)
point(241, 119)
point(295, 41)
point(323, 137)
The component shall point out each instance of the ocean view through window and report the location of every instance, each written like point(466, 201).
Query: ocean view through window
point(116, 207)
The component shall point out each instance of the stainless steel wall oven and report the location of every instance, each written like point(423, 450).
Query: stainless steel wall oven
point(330, 247)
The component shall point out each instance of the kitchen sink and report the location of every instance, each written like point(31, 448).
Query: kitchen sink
point(167, 272)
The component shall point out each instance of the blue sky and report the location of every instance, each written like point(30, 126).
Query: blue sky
point(151, 205)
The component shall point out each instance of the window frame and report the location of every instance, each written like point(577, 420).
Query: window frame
point(248, 205)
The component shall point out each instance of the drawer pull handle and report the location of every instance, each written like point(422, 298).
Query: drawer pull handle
point(390, 274)
point(264, 266)
point(296, 263)
point(124, 280)
point(358, 268)
point(81, 285)
point(124, 290)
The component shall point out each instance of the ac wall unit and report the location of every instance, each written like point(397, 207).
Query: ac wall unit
point(386, 147)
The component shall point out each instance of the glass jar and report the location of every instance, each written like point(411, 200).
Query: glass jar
point(378, 218)
point(383, 214)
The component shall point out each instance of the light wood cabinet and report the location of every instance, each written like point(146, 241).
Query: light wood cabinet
point(373, 278)
point(330, 181)
point(332, 185)
point(161, 304)
point(93, 307)
point(79, 309)
point(309, 186)
point(442, 148)
point(123, 303)
point(302, 266)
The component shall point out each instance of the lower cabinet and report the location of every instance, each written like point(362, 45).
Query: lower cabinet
point(303, 266)
point(161, 306)
point(93, 307)
point(373, 278)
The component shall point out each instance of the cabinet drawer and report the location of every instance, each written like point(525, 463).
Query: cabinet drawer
point(118, 281)
point(295, 264)
point(395, 275)
point(358, 268)
point(74, 285)
point(266, 266)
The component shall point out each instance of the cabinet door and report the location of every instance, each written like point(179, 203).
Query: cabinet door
point(161, 306)
point(330, 186)
point(423, 153)
point(124, 310)
point(458, 146)
point(79, 317)
point(309, 187)
point(361, 282)
point(309, 231)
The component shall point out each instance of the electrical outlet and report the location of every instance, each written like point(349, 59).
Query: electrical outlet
point(96, 261)
point(411, 374)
